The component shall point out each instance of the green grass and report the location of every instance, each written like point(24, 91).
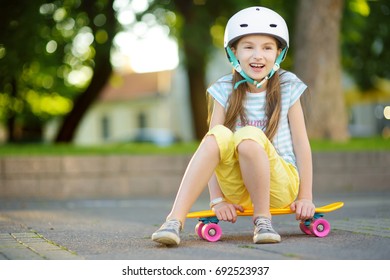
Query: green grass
point(358, 144)
point(113, 149)
point(355, 144)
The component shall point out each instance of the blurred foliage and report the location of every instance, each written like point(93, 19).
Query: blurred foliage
point(48, 48)
point(365, 40)
point(47, 51)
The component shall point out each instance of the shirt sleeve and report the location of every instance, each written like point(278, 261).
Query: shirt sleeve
point(220, 91)
point(296, 90)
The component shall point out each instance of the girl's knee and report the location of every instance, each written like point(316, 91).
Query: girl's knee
point(209, 146)
point(221, 131)
point(249, 147)
point(223, 138)
point(253, 134)
point(222, 134)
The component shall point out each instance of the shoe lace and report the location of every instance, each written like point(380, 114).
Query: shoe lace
point(172, 224)
point(263, 223)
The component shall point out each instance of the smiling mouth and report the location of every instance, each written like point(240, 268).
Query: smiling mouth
point(257, 65)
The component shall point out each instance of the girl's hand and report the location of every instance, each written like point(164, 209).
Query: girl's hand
point(227, 212)
point(304, 209)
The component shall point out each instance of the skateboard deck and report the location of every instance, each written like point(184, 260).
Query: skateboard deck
point(208, 227)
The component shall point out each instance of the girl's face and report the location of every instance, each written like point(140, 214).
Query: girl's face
point(257, 55)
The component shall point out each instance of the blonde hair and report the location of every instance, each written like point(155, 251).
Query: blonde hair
point(236, 110)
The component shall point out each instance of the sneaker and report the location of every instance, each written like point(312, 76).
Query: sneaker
point(264, 233)
point(168, 233)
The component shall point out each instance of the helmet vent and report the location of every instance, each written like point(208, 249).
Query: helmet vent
point(273, 25)
point(244, 25)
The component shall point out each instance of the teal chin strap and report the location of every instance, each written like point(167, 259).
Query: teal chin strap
point(236, 65)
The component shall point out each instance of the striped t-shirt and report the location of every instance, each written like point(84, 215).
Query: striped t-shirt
point(291, 90)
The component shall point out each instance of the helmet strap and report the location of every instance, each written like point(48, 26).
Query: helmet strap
point(236, 65)
point(278, 60)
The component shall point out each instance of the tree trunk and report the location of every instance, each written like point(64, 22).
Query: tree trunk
point(83, 102)
point(196, 55)
point(317, 63)
point(102, 72)
point(198, 101)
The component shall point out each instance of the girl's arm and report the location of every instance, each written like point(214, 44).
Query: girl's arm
point(217, 117)
point(303, 206)
point(224, 211)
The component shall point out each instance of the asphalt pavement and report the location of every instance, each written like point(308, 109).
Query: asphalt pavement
point(120, 230)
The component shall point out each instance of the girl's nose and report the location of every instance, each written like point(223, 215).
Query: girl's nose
point(257, 53)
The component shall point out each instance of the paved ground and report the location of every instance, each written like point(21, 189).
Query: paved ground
point(121, 229)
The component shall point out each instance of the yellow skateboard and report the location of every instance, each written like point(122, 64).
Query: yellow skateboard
point(208, 227)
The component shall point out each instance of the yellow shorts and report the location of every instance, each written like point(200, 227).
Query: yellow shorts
point(284, 176)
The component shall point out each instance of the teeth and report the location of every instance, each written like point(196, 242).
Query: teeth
point(257, 65)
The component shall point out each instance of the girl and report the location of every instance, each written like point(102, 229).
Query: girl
point(256, 153)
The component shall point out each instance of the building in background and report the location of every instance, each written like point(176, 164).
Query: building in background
point(137, 107)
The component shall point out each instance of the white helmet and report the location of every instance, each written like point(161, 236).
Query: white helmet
point(256, 20)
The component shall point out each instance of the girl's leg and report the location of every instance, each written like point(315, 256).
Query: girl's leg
point(196, 177)
point(254, 157)
point(255, 170)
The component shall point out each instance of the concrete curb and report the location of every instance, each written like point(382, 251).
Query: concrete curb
point(94, 177)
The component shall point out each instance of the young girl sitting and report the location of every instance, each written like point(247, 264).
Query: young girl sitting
point(256, 153)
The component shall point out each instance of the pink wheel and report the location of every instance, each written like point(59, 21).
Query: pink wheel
point(304, 228)
point(320, 227)
point(198, 229)
point(211, 232)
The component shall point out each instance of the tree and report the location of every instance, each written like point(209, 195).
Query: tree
point(365, 41)
point(18, 66)
point(194, 20)
point(101, 65)
point(39, 55)
point(51, 55)
point(318, 63)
